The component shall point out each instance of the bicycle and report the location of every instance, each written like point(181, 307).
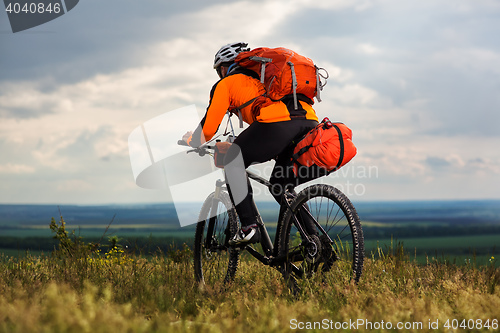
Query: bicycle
point(297, 252)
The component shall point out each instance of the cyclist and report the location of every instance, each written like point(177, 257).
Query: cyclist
point(272, 129)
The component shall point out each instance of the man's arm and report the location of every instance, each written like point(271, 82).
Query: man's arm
point(219, 103)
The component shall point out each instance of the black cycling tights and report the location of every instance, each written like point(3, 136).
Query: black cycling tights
point(259, 143)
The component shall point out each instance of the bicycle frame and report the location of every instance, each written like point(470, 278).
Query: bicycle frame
point(270, 257)
point(267, 244)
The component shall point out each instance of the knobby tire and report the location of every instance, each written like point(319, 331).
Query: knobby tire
point(342, 249)
point(215, 263)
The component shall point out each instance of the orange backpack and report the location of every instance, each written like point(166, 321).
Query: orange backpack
point(328, 146)
point(283, 72)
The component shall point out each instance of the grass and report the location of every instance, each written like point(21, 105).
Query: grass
point(84, 290)
point(19, 253)
point(160, 295)
point(454, 249)
point(90, 287)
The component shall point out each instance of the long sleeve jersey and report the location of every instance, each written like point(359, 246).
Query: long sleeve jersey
point(233, 91)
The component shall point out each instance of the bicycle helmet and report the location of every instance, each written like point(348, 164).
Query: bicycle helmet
point(228, 53)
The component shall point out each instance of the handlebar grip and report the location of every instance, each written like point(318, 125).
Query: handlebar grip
point(182, 143)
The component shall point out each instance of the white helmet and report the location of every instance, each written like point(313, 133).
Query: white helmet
point(228, 53)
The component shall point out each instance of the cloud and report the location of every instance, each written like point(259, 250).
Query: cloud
point(353, 94)
point(407, 52)
point(417, 83)
point(369, 49)
point(98, 36)
point(431, 159)
point(437, 162)
point(71, 152)
point(27, 101)
point(10, 168)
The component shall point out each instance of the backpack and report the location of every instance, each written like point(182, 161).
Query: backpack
point(283, 72)
point(328, 146)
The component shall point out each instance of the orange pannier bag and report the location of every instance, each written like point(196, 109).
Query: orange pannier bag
point(328, 146)
point(283, 72)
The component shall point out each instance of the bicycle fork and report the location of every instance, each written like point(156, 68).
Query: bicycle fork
point(305, 229)
point(307, 226)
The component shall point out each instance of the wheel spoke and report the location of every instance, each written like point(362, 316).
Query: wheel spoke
point(214, 261)
point(337, 244)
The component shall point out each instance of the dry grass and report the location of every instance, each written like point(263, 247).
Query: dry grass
point(118, 293)
point(80, 289)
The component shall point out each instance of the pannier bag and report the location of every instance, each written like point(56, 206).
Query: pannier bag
point(220, 151)
point(328, 146)
point(283, 72)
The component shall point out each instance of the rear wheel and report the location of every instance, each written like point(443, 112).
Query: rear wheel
point(335, 240)
point(214, 260)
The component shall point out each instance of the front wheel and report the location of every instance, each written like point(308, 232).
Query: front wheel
point(214, 260)
point(334, 235)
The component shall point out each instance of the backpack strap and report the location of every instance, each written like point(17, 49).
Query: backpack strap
point(245, 71)
point(244, 105)
point(241, 107)
point(294, 85)
point(237, 69)
point(263, 62)
point(341, 141)
point(296, 156)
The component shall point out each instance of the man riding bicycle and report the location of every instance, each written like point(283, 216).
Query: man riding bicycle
point(271, 130)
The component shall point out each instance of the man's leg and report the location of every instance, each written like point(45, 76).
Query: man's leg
point(259, 143)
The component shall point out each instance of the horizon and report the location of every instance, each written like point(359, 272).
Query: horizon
point(152, 203)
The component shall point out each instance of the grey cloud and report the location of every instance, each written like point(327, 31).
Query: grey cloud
point(437, 162)
point(95, 37)
point(426, 53)
point(424, 56)
point(84, 144)
point(23, 113)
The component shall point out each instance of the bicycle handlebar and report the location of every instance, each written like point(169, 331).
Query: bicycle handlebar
point(205, 149)
point(201, 150)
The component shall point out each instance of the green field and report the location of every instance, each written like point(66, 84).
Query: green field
point(446, 243)
point(446, 230)
point(88, 292)
point(146, 283)
point(455, 248)
point(477, 249)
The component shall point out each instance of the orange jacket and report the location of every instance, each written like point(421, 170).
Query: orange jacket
point(233, 91)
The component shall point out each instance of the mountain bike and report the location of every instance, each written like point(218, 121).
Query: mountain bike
point(299, 250)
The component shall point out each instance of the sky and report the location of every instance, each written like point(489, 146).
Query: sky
point(417, 82)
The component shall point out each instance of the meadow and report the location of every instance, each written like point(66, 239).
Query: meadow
point(81, 288)
point(440, 274)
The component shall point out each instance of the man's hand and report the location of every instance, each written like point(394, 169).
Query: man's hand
point(187, 136)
